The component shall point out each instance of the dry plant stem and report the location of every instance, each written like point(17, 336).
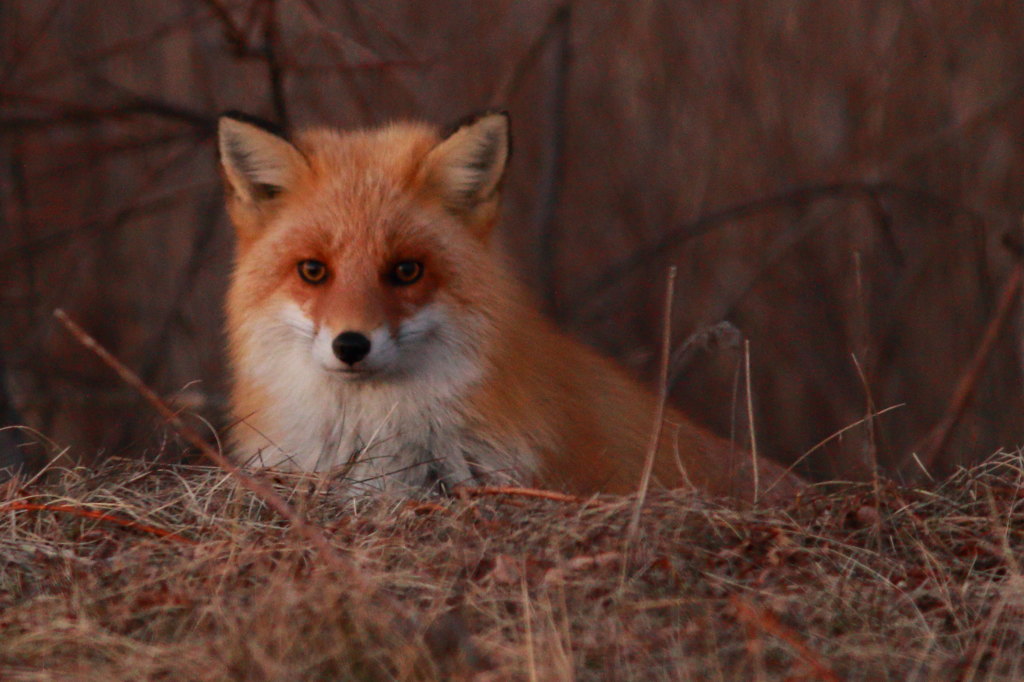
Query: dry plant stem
point(825, 441)
point(872, 439)
point(101, 516)
point(767, 622)
point(531, 655)
point(659, 412)
point(750, 421)
point(1012, 585)
point(864, 342)
point(310, 532)
point(536, 493)
point(931, 445)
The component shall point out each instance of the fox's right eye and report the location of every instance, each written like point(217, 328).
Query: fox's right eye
point(312, 271)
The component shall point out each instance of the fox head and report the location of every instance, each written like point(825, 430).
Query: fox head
point(363, 256)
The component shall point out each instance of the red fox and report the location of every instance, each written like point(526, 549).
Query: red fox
point(373, 329)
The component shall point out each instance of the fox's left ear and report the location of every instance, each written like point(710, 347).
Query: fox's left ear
point(466, 168)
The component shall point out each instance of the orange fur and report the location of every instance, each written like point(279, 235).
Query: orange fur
point(463, 380)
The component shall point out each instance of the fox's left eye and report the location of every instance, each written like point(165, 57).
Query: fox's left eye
point(406, 272)
point(312, 271)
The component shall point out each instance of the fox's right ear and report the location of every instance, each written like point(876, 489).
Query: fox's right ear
point(258, 162)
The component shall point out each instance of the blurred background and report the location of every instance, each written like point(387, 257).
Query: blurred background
point(841, 182)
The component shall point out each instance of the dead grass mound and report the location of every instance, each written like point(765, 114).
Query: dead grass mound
point(140, 571)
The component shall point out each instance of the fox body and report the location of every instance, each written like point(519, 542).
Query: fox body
point(372, 328)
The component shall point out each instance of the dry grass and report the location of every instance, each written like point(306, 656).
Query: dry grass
point(140, 571)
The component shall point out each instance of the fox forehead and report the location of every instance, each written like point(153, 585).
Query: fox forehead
point(392, 151)
point(361, 189)
point(367, 169)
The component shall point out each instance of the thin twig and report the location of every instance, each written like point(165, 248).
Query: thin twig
point(360, 588)
point(750, 422)
point(486, 490)
point(825, 441)
point(863, 341)
point(549, 185)
point(767, 622)
point(512, 79)
point(531, 656)
point(275, 70)
point(932, 444)
point(869, 421)
point(313, 534)
point(77, 114)
point(187, 21)
point(234, 35)
point(101, 516)
point(659, 412)
point(590, 293)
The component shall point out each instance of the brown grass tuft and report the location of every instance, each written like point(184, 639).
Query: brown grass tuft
point(95, 583)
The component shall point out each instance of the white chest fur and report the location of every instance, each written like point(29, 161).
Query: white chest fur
point(402, 435)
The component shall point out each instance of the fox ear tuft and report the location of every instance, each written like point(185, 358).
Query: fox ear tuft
point(258, 162)
point(467, 166)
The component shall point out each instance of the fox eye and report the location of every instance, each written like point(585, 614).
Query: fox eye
point(406, 272)
point(312, 271)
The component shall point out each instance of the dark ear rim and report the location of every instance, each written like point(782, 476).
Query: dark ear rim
point(263, 124)
point(472, 118)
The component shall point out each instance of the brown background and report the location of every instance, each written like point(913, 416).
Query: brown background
point(835, 179)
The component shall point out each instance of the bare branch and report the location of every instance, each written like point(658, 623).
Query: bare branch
point(314, 534)
point(932, 444)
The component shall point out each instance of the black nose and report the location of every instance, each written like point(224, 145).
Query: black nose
point(350, 347)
